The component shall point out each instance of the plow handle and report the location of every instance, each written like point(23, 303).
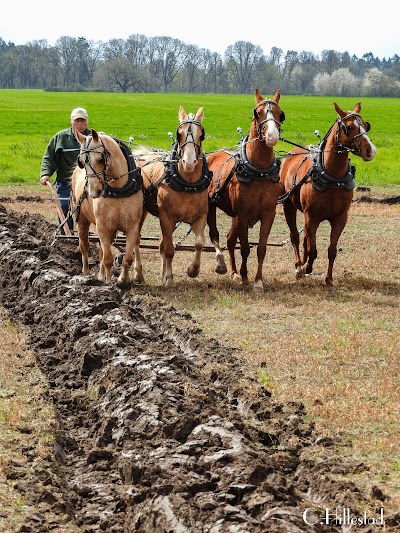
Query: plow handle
point(60, 212)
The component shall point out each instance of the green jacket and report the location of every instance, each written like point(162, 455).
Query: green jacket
point(61, 155)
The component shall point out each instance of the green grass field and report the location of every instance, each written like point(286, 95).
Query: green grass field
point(29, 118)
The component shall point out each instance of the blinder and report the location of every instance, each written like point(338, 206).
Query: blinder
point(282, 117)
point(80, 164)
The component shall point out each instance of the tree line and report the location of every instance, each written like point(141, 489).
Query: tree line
point(165, 64)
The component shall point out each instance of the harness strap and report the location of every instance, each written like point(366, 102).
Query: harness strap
point(247, 172)
point(153, 187)
point(214, 198)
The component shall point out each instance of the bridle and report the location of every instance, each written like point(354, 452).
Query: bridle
point(268, 111)
point(102, 176)
point(189, 139)
point(344, 128)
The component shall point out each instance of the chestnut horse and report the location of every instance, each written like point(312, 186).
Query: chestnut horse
point(107, 191)
point(175, 190)
point(319, 182)
point(245, 185)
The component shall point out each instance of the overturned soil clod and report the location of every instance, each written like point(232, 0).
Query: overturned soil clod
point(159, 430)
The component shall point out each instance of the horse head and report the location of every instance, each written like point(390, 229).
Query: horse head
point(268, 118)
point(190, 134)
point(93, 157)
point(352, 133)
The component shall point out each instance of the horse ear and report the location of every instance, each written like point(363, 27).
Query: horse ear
point(258, 96)
point(277, 96)
point(181, 114)
point(339, 111)
point(79, 137)
point(357, 108)
point(200, 114)
point(95, 136)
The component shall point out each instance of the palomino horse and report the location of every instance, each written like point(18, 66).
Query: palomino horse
point(245, 185)
point(319, 181)
point(176, 190)
point(107, 190)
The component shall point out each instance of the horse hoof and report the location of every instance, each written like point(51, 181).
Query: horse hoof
point(258, 287)
point(221, 269)
point(169, 283)
point(193, 272)
point(299, 274)
point(125, 285)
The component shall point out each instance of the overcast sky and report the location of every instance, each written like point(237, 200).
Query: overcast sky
point(356, 27)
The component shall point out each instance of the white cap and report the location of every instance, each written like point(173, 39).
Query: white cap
point(79, 112)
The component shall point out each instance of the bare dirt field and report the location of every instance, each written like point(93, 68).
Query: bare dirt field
point(158, 424)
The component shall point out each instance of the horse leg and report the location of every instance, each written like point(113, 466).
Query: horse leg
point(138, 266)
point(310, 243)
point(231, 240)
point(123, 280)
point(83, 232)
point(243, 233)
point(167, 250)
point(290, 215)
point(214, 238)
point(198, 228)
point(336, 230)
point(265, 229)
point(107, 258)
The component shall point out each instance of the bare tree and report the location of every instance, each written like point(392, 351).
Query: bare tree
point(67, 55)
point(168, 56)
point(241, 61)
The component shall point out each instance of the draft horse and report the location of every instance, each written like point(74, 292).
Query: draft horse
point(245, 185)
point(107, 192)
point(319, 182)
point(175, 190)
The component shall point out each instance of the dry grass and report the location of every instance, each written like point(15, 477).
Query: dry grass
point(336, 351)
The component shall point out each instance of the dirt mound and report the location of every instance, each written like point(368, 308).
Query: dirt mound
point(158, 428)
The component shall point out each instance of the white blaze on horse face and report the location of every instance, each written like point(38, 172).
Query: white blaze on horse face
point(189, 157)
point(272, 133)
point(188, 152)
point(367, 149)
point(94, 187)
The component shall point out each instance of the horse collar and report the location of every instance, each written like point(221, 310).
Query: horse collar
point(322, 180)
point(179, 184)
point(246, 172)
point(134, 182)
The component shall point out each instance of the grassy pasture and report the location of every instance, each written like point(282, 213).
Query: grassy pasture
point(29, 118)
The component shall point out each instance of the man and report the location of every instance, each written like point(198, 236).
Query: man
point(61, 156)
